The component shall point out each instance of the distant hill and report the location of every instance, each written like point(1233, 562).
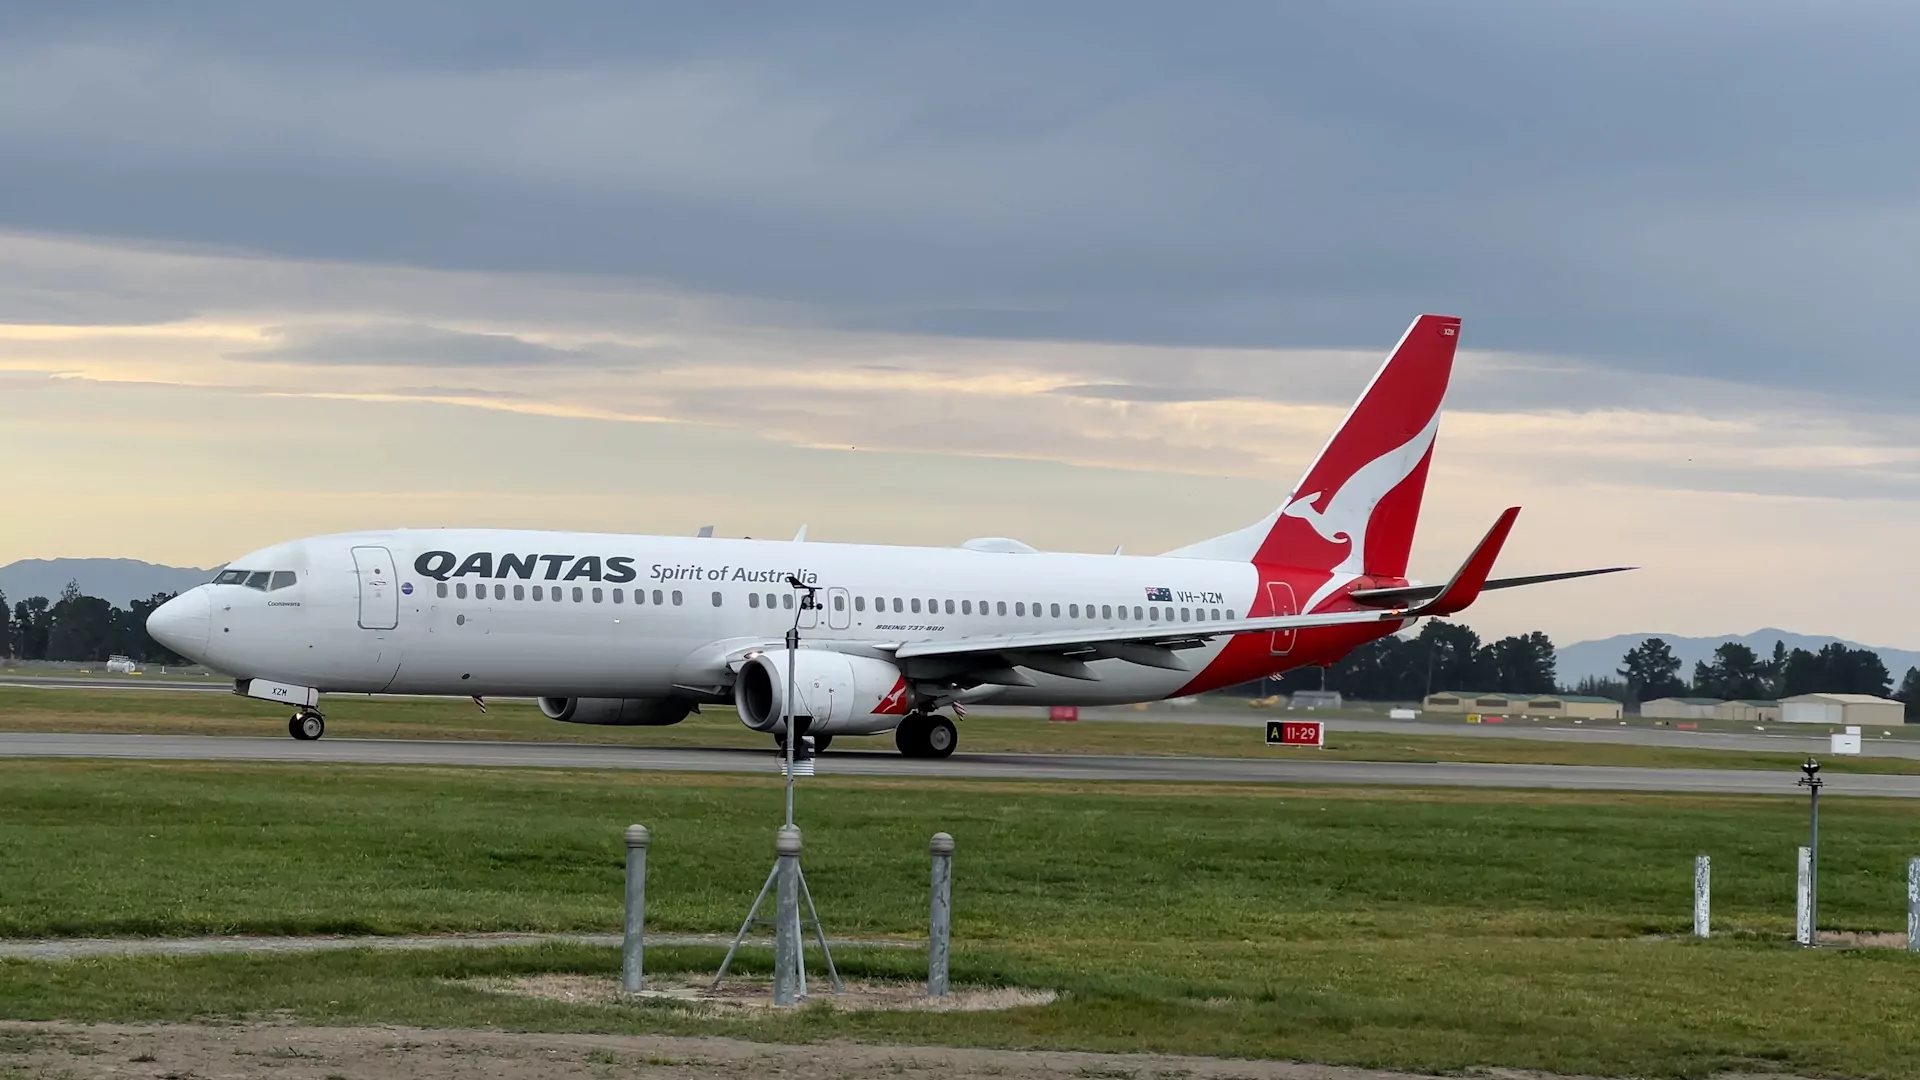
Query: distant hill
point(118, 581)
point(1601, 658)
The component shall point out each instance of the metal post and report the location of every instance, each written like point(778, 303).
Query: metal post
point(633, 947)
point(1810, 879)
point(1803, 897)
point(1913, 905)
point(940, 918)
point(1702, 892)
point(793, 646)
point(786, 918)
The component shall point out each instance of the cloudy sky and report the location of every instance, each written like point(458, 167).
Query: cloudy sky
point(1083, 274)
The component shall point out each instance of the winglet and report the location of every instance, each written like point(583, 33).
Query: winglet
point(1467, 581)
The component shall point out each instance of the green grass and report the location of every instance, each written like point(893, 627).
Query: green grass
point(1408, 929)
point(162, 712)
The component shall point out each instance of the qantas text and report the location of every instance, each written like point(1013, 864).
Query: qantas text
point(615, 569)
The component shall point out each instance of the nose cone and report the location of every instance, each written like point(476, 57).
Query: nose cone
point(184, 623)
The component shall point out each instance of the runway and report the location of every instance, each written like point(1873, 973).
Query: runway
point(1201, 770)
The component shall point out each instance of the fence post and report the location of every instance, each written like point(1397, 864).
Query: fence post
point(786, 917)
point(1803, 899)
point(940, 918)
point(1702, 894)
point(633, 946)
point(1913, 905)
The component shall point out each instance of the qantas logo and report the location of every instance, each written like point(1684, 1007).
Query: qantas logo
point(894, 702)
point(1346, 514)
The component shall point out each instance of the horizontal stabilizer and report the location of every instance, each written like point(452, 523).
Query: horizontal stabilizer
point(1413, 594)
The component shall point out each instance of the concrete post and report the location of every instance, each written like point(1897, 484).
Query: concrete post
point(1702, 894)
point(1803, 896)
point(786, 915)
point(633, 947)
point(1913, 905)
point(940, 919)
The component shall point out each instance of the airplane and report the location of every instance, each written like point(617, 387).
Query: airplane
point(643, 630)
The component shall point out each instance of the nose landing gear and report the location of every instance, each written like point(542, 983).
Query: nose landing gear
point(307, 725)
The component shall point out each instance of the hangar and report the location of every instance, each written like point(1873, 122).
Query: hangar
point(1576, 706)
point(1681, 708)
point(1862, 709)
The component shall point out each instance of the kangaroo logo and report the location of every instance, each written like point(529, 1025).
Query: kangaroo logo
point(1348, 511)
point(894, 703)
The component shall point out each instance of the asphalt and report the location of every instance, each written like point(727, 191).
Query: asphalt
point(1201, 770)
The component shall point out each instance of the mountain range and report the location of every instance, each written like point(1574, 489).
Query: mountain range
point(117, 581)
point(1601, 658)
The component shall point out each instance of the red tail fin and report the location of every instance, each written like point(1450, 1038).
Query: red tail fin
point(1354, 510)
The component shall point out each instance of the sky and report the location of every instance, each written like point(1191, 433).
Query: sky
point(1088, 275)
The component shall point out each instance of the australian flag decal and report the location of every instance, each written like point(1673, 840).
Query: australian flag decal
point(1160, 596)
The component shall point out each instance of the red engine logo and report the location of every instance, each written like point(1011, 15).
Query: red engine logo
point(894, 703)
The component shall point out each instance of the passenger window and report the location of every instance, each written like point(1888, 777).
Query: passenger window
point(786, 601)
point(1186, 614)
point(460, 591)
point(1136, 613)
point(716, 599)
point(1229, 614)
point(1000, 607)
point(258, 580)
point(579, 594)
point(916, 605)
point(1054, 610)
point(966, 607)
point(657, 597)
point(1106, 611)
point(440, 590)
point(676, 597)
point(282, 579)
point(619, 596)
point(1020, 608)
point(519, 592)
point(839, 602)
point(539, 593)
point(859, 603)
point(753, 599)
point(598, 596)
point(949, 607)
point(1153, 613)
point(1216, 614)
point(499, 592)
point(1073, 610)
point(236, 577)
point(896, 605)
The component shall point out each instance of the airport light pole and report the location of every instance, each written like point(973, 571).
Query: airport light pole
point(1812, 782)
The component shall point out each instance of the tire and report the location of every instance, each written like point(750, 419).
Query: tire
point(939, 738)
point(307, 726)
point(821, 742)
point(911, 736)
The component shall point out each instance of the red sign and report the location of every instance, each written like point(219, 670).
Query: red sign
point(1065, 714)
point(1296, 733)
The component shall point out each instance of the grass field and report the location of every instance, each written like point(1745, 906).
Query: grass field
point(1410, 929)
point(163, 712)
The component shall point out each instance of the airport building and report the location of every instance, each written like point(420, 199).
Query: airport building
point(1681, 708)
point(1575, 706)
point(1862, 709)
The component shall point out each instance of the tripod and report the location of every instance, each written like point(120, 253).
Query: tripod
point(786, 880)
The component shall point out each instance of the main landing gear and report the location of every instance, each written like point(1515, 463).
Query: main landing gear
point(924, 735)
point(818, 743)
point(307, 725)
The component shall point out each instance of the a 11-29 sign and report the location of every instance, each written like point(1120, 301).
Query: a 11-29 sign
point(1296, 733)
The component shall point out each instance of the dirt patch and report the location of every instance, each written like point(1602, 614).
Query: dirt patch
point(742, 995)
point(287, 1052)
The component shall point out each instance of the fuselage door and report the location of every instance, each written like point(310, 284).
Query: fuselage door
point(839, 609)
point(379, 591)
point(1281, 595)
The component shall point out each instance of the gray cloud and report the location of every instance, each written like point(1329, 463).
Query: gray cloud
point(410, 346)
point(1723, 191)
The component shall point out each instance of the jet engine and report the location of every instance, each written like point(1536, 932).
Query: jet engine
point(835, 693)
point(617, 712)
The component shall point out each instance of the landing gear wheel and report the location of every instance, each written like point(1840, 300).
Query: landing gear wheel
point(911, 736)
point(940, 737)
point(307, 726)
point(821, 742)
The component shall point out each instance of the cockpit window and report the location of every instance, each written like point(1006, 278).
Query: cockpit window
point(231, 577)
point(258, 580)
point(282, 579)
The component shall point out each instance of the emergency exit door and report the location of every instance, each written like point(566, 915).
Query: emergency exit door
point(379, 591)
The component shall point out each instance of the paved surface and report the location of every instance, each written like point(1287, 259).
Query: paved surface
point(982, 766)
point(81, 948)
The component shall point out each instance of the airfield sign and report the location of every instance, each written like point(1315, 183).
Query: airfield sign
point(1296, 733)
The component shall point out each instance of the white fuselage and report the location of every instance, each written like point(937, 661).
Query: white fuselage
point(600, 615)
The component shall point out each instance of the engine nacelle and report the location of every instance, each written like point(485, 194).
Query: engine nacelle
point(837, 694)
point(617, 712)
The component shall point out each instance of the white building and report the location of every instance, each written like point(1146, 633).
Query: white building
point(1862, 709)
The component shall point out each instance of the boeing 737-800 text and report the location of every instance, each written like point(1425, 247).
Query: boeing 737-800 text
point(609, 629)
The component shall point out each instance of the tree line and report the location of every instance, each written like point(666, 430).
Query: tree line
point(1446, 656)
point(75, 626)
